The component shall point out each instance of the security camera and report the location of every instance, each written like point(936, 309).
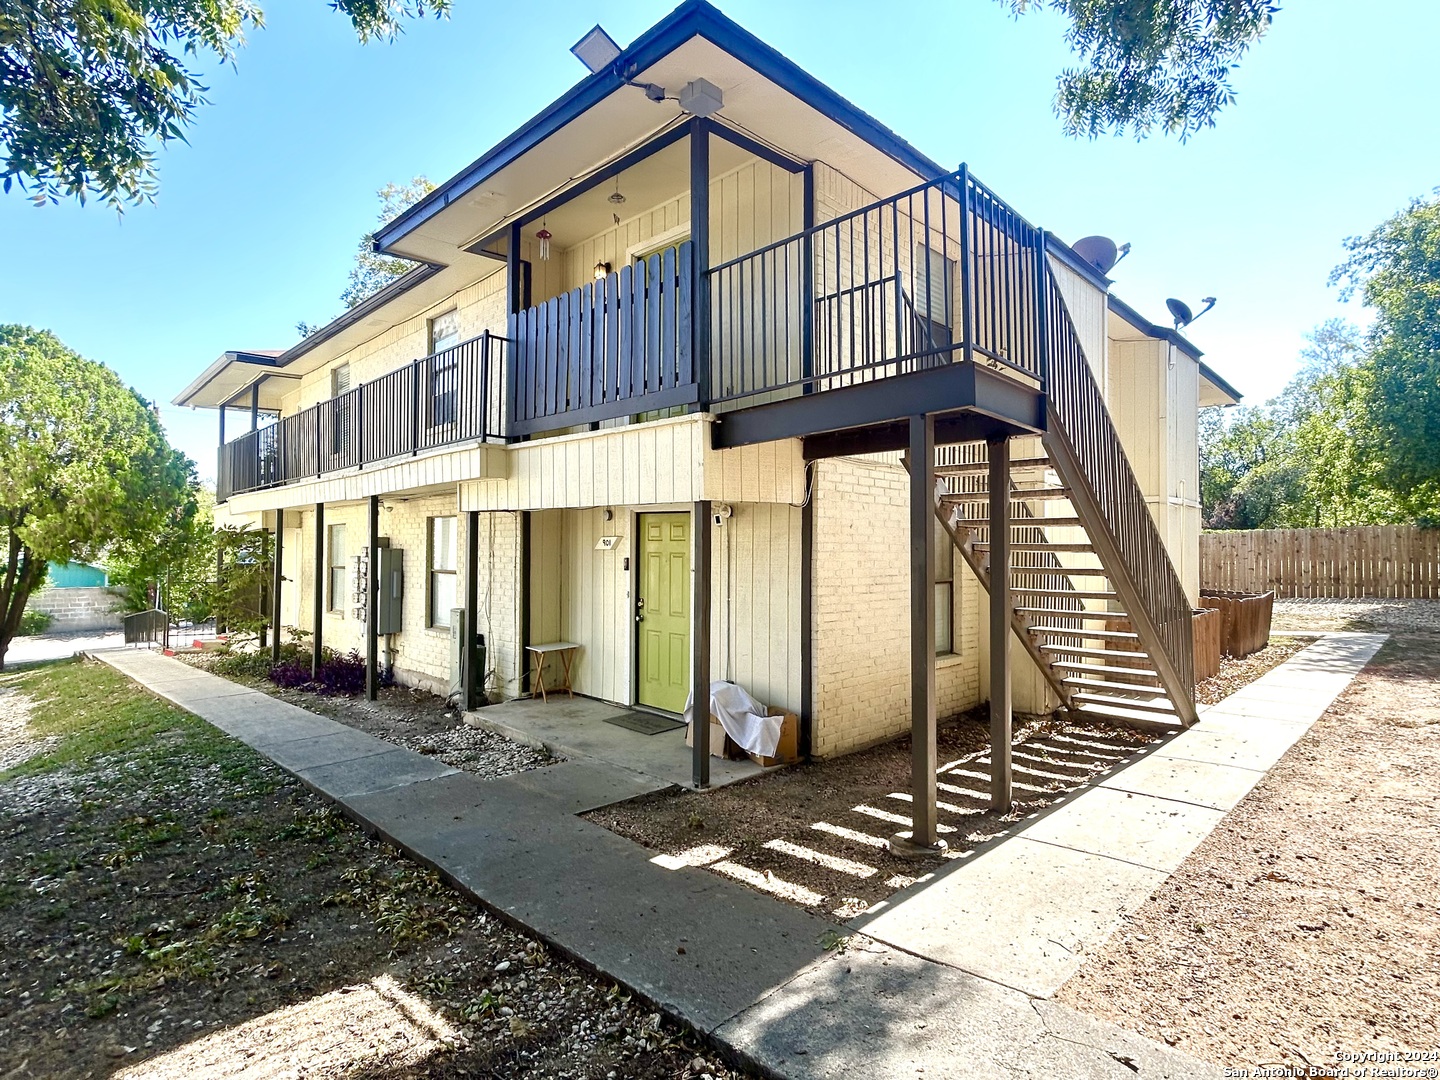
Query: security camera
point(722, 512)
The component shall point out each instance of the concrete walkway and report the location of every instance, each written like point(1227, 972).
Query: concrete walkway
point(904, 998)
point(1035, 905)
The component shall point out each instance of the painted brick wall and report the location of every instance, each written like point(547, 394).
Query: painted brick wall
point(862, 611)
point(421, 654)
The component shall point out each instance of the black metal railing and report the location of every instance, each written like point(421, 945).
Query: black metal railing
point(452, 396)
point(943, 272)
point(615, 347)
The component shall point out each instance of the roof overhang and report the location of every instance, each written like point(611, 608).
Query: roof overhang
point(232, 376)
point(1128, 324)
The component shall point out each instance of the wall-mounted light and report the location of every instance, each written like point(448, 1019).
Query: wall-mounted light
point(596, 50)
point(602, 270)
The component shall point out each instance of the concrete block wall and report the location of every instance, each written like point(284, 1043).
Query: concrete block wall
point(862, 610)
point(78, 609)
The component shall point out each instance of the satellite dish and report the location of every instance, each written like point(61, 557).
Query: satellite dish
point(1180, 312)
point(1099, 251)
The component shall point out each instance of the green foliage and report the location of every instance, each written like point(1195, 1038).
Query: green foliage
point(173, 569)
point(1312, 457)
point(373, 271)
point(32, 623)
point(88, 88)
point(240, 594)
point(1396, 269)
point(1150, 64)
point(84, 465)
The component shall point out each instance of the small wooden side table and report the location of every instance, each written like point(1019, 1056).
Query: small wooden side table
point(538, 653)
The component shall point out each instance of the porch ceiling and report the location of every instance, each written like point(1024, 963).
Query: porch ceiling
point(623, 120)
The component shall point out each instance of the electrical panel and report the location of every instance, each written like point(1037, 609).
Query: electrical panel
point(390, 572)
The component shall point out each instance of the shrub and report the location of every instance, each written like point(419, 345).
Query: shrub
point(34, 622)
point(339, 673)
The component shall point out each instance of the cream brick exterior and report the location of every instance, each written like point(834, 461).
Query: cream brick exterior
point(862, 610)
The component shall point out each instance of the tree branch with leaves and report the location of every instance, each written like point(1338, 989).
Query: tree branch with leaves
point(90, 88)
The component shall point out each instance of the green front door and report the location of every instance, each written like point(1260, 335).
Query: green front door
point(663, 611)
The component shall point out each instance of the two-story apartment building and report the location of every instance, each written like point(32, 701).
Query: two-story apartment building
point(711, 374)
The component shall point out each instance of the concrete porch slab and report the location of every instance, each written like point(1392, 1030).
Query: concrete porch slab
point(576, 728)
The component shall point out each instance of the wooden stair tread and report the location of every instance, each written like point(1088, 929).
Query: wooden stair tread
point(984, 466)
point(1079, 650)
point(1106, 669)
point(1160, 723)
point(1106, 701)
point(1017, 495)
point(1074, 613)
point(1075, 593)
point(1100, 684)
point(1078, 548)
point(1105, 635)
point(1026, 523)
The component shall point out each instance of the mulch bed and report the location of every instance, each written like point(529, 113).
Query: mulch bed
point(815, 834)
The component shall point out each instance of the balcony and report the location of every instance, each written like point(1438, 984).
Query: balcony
point(923, 302)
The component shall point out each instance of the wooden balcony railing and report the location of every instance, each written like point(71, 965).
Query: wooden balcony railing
point(452, 396)
point(616, 347)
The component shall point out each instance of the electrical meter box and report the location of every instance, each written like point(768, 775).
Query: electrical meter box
point(390, 573)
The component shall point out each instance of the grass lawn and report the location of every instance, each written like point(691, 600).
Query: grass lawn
point(175, 904)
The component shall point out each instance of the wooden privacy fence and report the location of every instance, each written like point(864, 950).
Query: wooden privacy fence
point(1207, 626)
point(1245, 620)
point(1399, 561)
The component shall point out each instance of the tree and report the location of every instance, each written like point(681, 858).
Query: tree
point(83, 465)
point(1151, 63)
point(373, 271)
point(175, 567)
point(1396, 269)
point(88, 88)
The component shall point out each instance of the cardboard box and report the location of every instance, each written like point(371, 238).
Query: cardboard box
point(787, 750)
point(721, 745)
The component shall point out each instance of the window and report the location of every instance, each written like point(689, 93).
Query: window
point(944, 592)
point(932, 278)
point(442, 569)
point(338, 582)
point(444, 335)
point(340, 421)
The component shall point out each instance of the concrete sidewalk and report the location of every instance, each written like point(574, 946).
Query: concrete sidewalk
point(1037, 902)
point(754, 973)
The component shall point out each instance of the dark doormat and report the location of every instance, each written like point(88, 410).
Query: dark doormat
point(645, 723)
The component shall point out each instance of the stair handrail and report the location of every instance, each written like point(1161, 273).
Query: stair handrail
point(1086, 449)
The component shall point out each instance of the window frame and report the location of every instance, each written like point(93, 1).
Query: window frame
point(433, 572)
point(944, 592)
point(335, 600)
point(442, 390)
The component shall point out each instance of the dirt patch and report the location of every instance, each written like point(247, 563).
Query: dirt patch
point(1234, 674)
point(1308, 924)
point(1324, 613)
point(815, 834)
point(182, 907)
point(415, 719)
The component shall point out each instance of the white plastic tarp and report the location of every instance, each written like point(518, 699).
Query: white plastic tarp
point(742, 717)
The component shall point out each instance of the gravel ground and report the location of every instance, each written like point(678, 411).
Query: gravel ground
point(180, 907)
point(1308, 923)
point(1329, 614)
point(414, 719)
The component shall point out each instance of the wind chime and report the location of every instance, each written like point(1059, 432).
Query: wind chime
point(544, 237)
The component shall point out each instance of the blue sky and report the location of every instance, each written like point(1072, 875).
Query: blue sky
point(258, 217)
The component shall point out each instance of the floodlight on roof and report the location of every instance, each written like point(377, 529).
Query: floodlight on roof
point(596, 50)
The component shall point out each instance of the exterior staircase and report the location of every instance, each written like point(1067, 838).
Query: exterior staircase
point(1095, 599)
